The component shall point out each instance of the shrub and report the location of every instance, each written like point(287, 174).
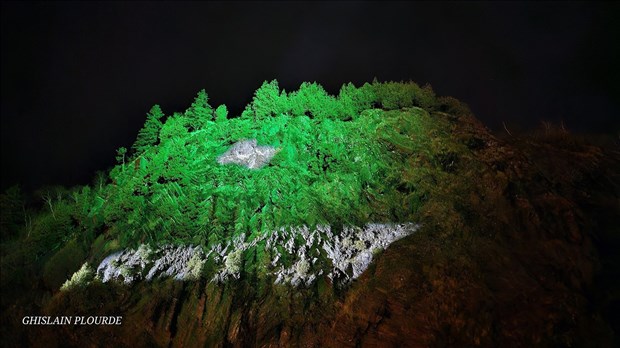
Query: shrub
point(195, 266)
point(80, 278)
point(233, 262)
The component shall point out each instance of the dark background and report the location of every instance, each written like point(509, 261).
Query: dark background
point(78, 78)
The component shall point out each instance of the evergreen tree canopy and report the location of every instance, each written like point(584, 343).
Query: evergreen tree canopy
point(312, 100)
point(174, 127)
point(200, 112)
point(355, 100)
point(338, 160)
point(268, 101)
point(149, 134)
point(221, 113)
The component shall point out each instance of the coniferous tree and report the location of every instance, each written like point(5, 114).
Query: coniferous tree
point(173, 128)
point(200, 112)
point(312, 99)
point(221, 113)
point(248, 113)
point(355, 100)
point(149, 134)
point(120, 155)
point(268, 101)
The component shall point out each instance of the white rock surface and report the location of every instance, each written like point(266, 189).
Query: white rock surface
point(342, 257)
point(248, 154)
point(132, 265)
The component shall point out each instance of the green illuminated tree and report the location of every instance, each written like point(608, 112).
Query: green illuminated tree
point(355, 100)
point(148, 135)
point(312, 100)
point(174, 128)
point(397, 95)
point(221, 113)
point(394, 95)
point(268, 101)
point(333, 157)
point(200, 112)
point(425, 98)
point(120, 156)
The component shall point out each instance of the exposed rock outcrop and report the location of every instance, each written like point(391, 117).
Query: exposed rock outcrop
point(248, 154)
point(350, 252)
point(146, 263)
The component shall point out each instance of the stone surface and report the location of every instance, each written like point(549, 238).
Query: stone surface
point(146, 264)
point(248, 154)
point(349, 254)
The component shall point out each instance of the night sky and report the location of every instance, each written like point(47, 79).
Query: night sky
point(78, 78)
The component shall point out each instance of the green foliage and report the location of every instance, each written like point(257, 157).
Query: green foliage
point(355, 100)
point(268, 101)
point(120, 155)
point(63, 217)
point(174, 128)
point(195, 267)
point(248, 113)
point(397, 95)
point(453, 106)
point(221, 113)
point(312, 100)
point(148, 135)
point(233, 262)
point(338, 161)
point(144, 252)
point(200, 112)
point(333, 165)
point(425, 97)
point(391, 96)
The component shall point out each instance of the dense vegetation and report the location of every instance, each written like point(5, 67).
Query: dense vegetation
point(348, 159)
point(336, 154)
point(525, 206)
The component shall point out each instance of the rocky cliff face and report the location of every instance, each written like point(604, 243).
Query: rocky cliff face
point(507, 255)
